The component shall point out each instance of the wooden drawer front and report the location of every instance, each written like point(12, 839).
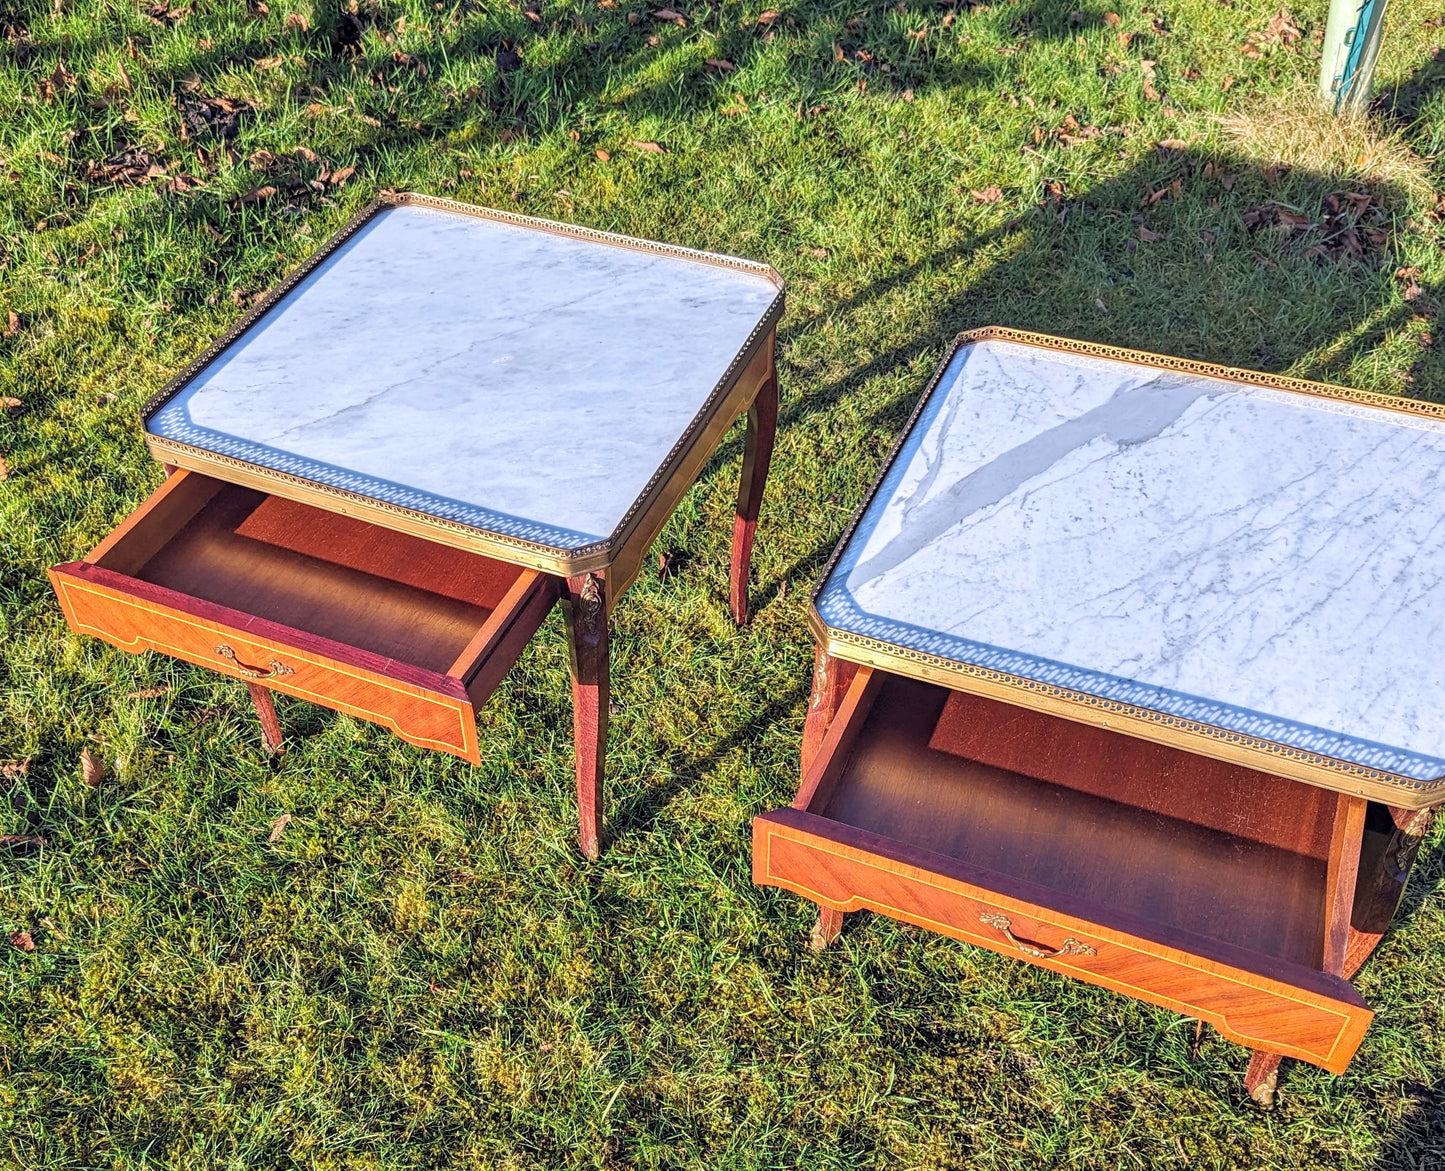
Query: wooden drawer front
point(1255, 1000)
point(427, 710)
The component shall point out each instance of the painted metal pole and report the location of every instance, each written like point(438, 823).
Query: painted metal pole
point(1352, 44)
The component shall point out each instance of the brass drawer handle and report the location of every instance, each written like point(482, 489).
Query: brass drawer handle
point(1070, 946)
point(277, 667)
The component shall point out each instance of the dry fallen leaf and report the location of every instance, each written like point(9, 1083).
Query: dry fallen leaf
point(12, 323)
point(13, 840)
point(305, 154)
point(1412, 285)
point(768, 17)
point(92, 768)
point(1111, 19)
point(1149, 236)
point(650, 147)
point(988, 195)
point(15, 768)
point(295, 20)
point(1173, 144)
point(672, 15)
point(4, 469)
point(339, 176)
point(10, 403)
point(258, 195)
point(278, 827)
point(148, 692)
point(718, 65)
point(1100, 306)
point(22, 940)
point(602, 155)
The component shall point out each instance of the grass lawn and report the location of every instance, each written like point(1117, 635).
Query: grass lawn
point(421, 972)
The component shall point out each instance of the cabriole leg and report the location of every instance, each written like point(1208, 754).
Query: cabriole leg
point(828, 927)
point(831, 678)
point(1262, 1076)
point(265, 706)
point(587, 638)
point(757, 455)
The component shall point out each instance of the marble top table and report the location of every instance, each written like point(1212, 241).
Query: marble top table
point(1243, 565)
point(536, 393)
point(510, 385)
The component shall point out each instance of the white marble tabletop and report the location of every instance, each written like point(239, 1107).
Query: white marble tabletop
point(505, 377)
point(1259, 560)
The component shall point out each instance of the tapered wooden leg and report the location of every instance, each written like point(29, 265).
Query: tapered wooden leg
point(586, 603)
point(831, 678)
point(270, 726)
point(757, 455)
point(828, 927)
point(1262, 1076)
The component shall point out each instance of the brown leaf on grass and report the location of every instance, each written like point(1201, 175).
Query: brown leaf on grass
point(718, 65)
point(132, 165)
point(307, 155)
point(649, 147)
point(768, 17)
point(1071, 133)
point(15, 768)
point(258, 195)
point(314, 110)
point(8, 402)
point(4, 469)
point(1149, 236)
point(1111, 19)
point(1226, 83)
point(295, 20)
point(602, 155)
point(671, 15)
point(1408, 276)
point(278, 827)
point(267, 63)
point(1427, 339)
point(1281, 30)
point(12, 323)
point(988, 195)
point(148, 692)
point(261, 160)
point(341, 174)
point(22, 941)
point(1126, 39)
point(1206, 235)
point(1151, 93)
point(92, 768)
point(14, 841)
point(1172, 144)
point(665, 559)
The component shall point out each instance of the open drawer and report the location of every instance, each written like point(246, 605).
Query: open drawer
point(1198, 887)
point(389, 627)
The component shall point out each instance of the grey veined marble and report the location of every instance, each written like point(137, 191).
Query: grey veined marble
point(1263, 561)
point(513, 379)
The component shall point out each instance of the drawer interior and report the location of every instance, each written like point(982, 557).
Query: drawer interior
point(1115, 841)
point(329, 575)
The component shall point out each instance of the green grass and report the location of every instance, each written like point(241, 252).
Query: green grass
point(421, 972)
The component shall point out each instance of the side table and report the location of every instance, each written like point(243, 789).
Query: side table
point(385, 475)
point(1129, 667)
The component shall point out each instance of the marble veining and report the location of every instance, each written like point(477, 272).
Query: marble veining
point(512, 379)
point(1259, 560)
